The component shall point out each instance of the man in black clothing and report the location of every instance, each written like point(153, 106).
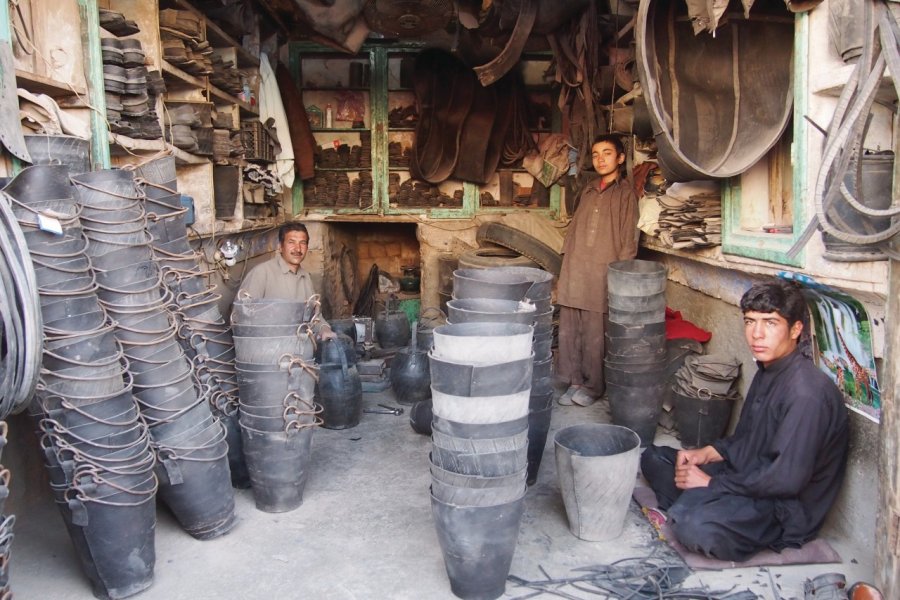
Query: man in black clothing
point(771, 484)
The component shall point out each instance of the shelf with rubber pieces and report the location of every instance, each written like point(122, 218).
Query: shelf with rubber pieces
point(406, 192)
point(206, 86)
point(337, 98)
point(513, 186)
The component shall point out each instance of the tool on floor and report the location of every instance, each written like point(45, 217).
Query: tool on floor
point(387, 410)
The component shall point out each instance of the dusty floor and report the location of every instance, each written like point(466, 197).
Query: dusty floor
point(365, 531)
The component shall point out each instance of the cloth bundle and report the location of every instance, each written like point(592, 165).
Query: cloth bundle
point(707, 376)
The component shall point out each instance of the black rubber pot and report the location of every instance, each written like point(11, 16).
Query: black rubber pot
point(329, 351)
point(538, 426)
point(410, 373)
point(278, 465)
point(478, 545)
point(701, 421)
point(420, 416)
point(637, 408)
point(392, 328)
point(339, 391)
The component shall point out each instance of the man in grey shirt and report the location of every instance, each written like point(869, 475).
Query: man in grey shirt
point(282, 277)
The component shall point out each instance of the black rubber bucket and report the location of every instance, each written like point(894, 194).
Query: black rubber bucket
point(637, 408)
point(504, 283)
point(420, 416)
point(115, 544)
point(638, 304)
point(472, 490)
point(108, 188)
point(270, 386)
point(267, 312)
point(240, 477)
point(648, 344)
point(339, 391)
point(73, 153)
point(492, 457)
point(459, 379)
point(701, 421)
point(278, 465)
point(197, 489)
point(636, 376)
point(478, 545)
point(540, 401)
point(639, 278)
point(538, 427)
point(479, 431)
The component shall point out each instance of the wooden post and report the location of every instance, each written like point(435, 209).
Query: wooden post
point(887, 522)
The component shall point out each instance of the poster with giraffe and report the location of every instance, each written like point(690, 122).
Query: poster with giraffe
point(842, 342)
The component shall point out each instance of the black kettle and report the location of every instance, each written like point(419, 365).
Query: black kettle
point(411, 373)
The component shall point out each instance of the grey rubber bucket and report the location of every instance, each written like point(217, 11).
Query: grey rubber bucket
point(478, 543)
point(636, 278)
point(469, 310)
point(597, 466)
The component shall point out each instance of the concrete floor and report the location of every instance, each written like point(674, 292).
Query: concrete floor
point(365, 531)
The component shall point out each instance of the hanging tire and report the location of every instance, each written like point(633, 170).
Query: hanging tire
point(493, 256)
point(524, 244)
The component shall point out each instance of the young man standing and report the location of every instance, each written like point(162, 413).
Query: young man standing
point(603, 230)
point(771, 484)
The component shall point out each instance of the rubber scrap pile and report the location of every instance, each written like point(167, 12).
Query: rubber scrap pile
point(634, 578)
point(687, 215)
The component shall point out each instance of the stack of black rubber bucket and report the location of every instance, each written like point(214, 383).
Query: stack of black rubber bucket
point(195, 480)
point(95, 444)
point(120, 409)
point(202, 331)
point(276, 373)
point(635, 363)
point(482, 367)
point(529, 286)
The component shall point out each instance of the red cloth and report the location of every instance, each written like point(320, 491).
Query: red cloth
point(677, 327)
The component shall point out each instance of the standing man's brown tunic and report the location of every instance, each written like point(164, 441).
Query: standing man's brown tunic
point(603, 230)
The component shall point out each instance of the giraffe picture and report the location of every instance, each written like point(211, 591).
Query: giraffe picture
point(842, 339)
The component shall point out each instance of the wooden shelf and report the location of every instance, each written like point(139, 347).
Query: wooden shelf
point(201, 82)
point(44, 85)
point(339, 129)
point(185, 77)
point(135, 145)
point(832, 82)
point(343, 169)
point(217, 37)
point(401, 129)
point(336, 88)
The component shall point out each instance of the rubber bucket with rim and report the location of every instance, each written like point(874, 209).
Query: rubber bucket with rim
point(597, 466)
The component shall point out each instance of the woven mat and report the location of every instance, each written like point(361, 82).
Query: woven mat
point(818, 551)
